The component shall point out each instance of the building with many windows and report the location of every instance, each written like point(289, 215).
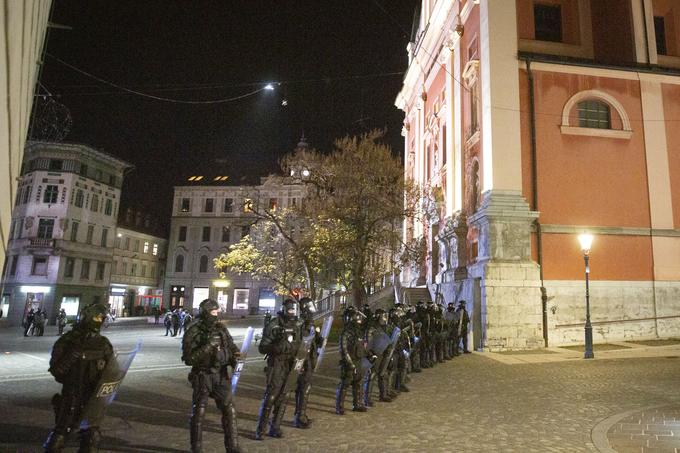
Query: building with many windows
point(62, 231)
point(138, 267)
point(207, 218)
point(530, 122)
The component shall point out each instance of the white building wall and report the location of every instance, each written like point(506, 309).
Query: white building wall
point(23, 24)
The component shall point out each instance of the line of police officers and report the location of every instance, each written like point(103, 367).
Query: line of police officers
point(372, 349)
point(382, 347)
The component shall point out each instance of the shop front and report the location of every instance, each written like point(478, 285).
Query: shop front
point(117, 300)
point(34, 298)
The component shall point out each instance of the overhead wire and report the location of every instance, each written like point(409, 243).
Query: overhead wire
point(193, 87)
point(151, 96)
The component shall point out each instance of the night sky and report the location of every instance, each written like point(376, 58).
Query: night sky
point(339, 63)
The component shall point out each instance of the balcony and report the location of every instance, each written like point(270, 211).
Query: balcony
point(40, 243)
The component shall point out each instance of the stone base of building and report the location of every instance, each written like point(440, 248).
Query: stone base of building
point(504, 303)
point(619, 311)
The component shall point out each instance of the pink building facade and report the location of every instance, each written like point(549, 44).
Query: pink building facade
point(530, 122)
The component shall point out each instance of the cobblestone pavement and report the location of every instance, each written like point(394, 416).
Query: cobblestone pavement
point(471, 404)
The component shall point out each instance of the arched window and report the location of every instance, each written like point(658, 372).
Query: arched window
point(203, 265)
point(594, 113)
point(179, 263)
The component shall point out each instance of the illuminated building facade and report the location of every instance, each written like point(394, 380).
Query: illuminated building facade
point(207, 218)
point(530, 122)
point(62, 231)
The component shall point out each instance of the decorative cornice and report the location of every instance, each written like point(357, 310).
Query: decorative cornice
point(606, 230)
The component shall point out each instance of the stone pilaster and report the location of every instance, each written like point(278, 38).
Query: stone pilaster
point(504, 223)
point(510, 282)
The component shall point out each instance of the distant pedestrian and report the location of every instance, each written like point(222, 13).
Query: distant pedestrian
point(39, 323)
point(187, 320)
point(167, 321)
point(156, 315)
point(61, 321)
point(182, 314)
point(28, 322)
point(175, 322)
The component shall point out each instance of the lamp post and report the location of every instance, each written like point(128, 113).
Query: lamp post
point(586, 241)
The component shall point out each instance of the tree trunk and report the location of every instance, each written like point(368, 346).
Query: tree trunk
point(358, 294)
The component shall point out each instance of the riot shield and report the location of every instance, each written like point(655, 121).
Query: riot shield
point(108, 385)
point(325, 330)
point(240, 364)
point(393, 343)
point(303, 350)
point(378, 343)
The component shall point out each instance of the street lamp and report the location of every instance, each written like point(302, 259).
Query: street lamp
point(586, 241)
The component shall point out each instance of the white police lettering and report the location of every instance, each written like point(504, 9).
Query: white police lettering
point(108, 388)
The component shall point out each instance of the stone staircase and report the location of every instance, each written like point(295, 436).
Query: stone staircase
point(382, 299)
point(413, 295)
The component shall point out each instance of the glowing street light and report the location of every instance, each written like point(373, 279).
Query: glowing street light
point(586, 241)
point(269, 87)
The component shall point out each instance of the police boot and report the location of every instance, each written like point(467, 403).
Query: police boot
point(368, 390)
point(301, 397)
point(196, 429)
point(263, 418)
point(384, 396)
point(55, 442)
point(340, 400)
point(277, 418)
point(356, 399)
point(399, 382)
point(89, 440)
point(230, 429)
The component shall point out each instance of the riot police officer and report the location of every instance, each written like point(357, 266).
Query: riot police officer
point(401, 352)
point(209, 349)
point(451, 329)
point(304, 380)
point(463, 321)
point(423, 317)
point(78, 360)
point(352, 350)
point(378, 342)
point(281, 339)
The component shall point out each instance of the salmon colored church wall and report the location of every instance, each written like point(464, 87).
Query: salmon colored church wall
point(587, 180)
point(627, 258)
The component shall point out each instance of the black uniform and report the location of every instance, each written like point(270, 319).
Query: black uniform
point(39, 322)
point(402, 349)
point(378, 337)
point(78, 359)
point(352, 350)
point(167, 322)
point(304, 380)
point(463, 321)
point(28, 323)
point(423, 317)
point(61, 321)
point(280, 342)
point(451, 318)
point(209, 349)
point(175, 322)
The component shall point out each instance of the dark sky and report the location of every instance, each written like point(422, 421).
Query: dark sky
point(333, 58)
